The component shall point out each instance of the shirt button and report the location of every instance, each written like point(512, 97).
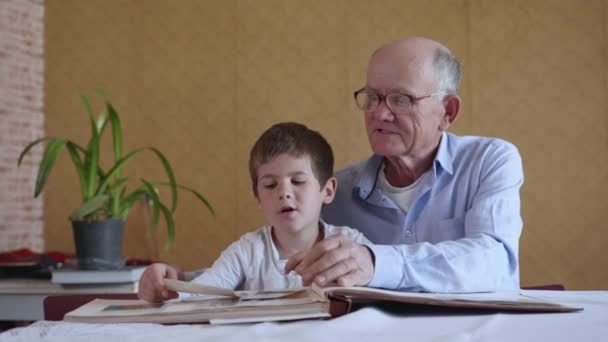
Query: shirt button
point(408, 233)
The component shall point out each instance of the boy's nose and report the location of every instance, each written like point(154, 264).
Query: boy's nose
point(284, 191)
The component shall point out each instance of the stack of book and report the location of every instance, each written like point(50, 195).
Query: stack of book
point(124, 280)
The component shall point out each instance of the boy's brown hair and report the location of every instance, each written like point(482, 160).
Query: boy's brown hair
point(296, 140)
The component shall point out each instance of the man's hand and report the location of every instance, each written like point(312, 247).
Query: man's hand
point(335, 259)
point(151, 286)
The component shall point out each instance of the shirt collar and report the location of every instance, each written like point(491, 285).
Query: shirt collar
point(444, 154)
point(368, 178)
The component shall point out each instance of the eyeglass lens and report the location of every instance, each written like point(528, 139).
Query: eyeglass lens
point(396, 102)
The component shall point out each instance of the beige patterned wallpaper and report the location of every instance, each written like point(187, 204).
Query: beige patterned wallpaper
point(201, 80)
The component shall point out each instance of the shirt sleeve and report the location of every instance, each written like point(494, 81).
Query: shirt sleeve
point(228, 270)
point(352, 233)
point(485, 259)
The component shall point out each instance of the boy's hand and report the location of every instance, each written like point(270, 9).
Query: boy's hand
point(335, 259)
point(151, 286)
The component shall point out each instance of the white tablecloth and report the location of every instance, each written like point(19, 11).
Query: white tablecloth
point(368, 324)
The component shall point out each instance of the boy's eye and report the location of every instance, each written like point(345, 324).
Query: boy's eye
point(298, 181)
point(269, 185)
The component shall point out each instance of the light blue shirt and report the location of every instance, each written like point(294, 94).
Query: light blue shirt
point(461, 232)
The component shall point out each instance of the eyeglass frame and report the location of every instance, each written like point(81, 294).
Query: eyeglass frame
point(383, 98)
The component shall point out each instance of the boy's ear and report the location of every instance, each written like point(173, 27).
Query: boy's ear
point(329, 190)
point(257, 201)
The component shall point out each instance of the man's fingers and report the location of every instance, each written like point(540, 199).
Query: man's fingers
point(294, 261)
point(301, 261)
point(353, 266)
point(318, 251)
point(335, 259)
point(336, 270)
point(351, 279)
point(333, 253)
point(328, 267)
point(362, 272)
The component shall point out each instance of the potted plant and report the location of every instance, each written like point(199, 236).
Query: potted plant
point(107, 194)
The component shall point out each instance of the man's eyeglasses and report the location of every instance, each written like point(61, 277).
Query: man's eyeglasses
point(398, 103)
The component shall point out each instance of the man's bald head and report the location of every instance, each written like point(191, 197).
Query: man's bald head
point(425, 56)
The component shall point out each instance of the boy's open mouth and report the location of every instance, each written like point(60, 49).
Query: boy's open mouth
point(287, 209)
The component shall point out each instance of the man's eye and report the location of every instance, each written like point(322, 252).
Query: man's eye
point(371, 101)
point(401, 101)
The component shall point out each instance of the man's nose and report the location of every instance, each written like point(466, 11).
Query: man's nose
point(382, 112)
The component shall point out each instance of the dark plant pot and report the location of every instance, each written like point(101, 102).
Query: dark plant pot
point(99, 243)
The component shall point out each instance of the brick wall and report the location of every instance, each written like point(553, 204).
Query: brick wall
point(21, 121)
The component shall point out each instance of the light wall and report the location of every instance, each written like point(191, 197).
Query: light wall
point(201, 80)
point(21, 121)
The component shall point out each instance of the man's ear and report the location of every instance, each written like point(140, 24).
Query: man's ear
point(452, 108)
point(329, 190)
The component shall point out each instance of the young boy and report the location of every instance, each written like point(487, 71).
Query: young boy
point(291, 171)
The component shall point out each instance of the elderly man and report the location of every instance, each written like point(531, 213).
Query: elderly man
point(444, 210)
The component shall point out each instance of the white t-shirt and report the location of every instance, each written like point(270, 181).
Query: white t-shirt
point(252, 262)
point(401, 196)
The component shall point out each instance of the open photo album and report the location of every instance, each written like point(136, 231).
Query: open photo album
point(220, 306)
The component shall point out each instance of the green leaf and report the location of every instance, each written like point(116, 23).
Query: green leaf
point(101, 92)
point(79, 148)
point(117, 196)
point(134, 196)
point(90, 206)
point(117, 191)
point(113, 171)
point(119, 182)
point(73, 149)
point(156, 203)
point(92, 165)
point(201, 198)
point(105, 181)
point(170, 226)
point(130, 199)
point(92, 158)
point(172, 181)
point(87, 105)
point(105, 98)
point(116, 133)
point(102, 121)
point(195, 193)
point(49, 158)
point(29, 147)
